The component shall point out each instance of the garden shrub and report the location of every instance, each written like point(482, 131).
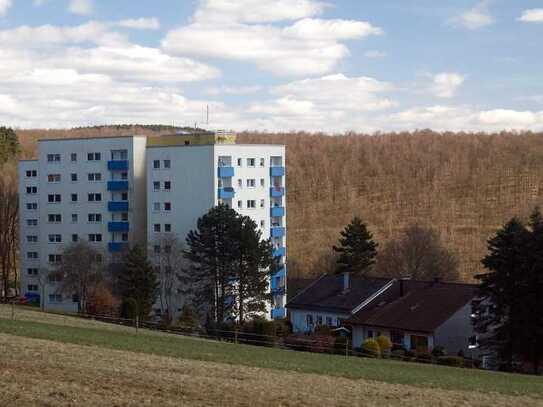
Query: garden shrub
point(439, 351)
point(384, 344)
point(455, 361)
point(424, 357)
point(370, 347)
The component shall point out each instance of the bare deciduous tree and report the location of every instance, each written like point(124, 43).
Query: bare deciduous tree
point(9, 228)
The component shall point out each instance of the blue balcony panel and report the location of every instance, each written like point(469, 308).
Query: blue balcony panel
point(278, 232)
point(118, 227)
point(277, 211)
point(277, 171)
point(282, 273)
point(226, 172)
point(121, 206)
point(117, 165)
point(117, 247)
point(277, 191)
point(226, 193)
point(279, 252)
point(117, 185)
point(278, 313)
point(278, 291)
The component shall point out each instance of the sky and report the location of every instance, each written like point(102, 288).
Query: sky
point(273, 65)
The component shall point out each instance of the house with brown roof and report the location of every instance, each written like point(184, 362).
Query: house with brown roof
point(419, 316)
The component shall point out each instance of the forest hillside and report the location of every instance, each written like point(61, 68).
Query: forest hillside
point(463, 185)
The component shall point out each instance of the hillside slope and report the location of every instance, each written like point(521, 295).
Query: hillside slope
point(464, 185)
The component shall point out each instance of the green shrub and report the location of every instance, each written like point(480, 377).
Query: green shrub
point(340, 343)
point(424, 357)
point(439, 351)
point(370, 347)
point(398, 354)
point(384, 344)
point(455, 361)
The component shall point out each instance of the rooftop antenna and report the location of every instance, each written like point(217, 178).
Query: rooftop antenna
point(207, 115)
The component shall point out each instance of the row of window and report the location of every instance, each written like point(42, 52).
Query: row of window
point(55, 158)
point(157, 164)
point(166, 185)
point(91, 218)
point(57, 238)
point(57, 198)
point(157, 228)
point(251, 204)
point(158, 206)
point(319, 320)
point(54, 258)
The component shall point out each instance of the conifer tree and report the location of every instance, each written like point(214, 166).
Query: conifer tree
point(357, 249)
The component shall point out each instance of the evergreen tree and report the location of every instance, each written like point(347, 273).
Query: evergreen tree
point(499, 308)
point(137, 282)
point(9, 144)
point(357, 250)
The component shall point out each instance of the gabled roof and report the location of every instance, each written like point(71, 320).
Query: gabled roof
point(423, 307)
point(327, 295)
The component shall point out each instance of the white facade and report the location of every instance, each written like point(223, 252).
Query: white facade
point(127, 191)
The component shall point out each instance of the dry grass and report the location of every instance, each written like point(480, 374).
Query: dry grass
point(45, 373)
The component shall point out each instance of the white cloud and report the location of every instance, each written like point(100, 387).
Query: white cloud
point(446, 84)
point(143, 23)
point(234, 90)
point(375, 54)
point(4, 6)
point(475, 18)
point(511, 118)
point(307, 47)
point(81, 7)
point(532, 16)
point(38, 3)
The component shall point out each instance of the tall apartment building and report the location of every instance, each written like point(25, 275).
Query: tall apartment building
point(114, 192)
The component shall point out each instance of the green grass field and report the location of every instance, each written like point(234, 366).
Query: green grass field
point(33, 324)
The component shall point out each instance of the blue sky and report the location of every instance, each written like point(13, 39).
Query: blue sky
point(335, 66)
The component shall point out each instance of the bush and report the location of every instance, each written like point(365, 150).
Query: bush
point(398, 354)
point(424, 357)
point(455, 361)
point(439, 351)
point(340, 343)
point(370, 347)
point(384, 344)
point(188, 320)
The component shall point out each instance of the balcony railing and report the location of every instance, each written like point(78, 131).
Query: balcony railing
point(121, 206)
point(281, 273)
point(279, 252)
point(117, 185)
point(118, 227)
point(277, 212)
point(277, 191)
point(278, 231)
point(278, 313)
point(277, 171)
point(226, 193)
point(226, 172)
point(278, 291)
point(116, 247)
point(117, 165)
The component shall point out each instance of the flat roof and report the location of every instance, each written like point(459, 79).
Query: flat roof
point(218, 144)
point(87, 138)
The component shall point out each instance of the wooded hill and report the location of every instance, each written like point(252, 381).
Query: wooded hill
point(463, 185)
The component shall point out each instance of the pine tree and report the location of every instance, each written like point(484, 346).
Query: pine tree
point(357, 249)
point(499, 308)
point(137, 282)
point(9, 144)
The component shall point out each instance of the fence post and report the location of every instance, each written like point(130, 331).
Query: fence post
point(346, 346)
point(12, 310)
point(137, 322)
point(236, 335)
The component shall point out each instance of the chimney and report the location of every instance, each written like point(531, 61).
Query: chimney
point(402, 288)
point(346, 282)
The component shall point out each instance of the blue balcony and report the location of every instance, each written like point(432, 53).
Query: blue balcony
point(278, 313)
point(226, 193)
point(278, 232)
point(277, 171)
point(277, 211)
point(117, 247)
point(118, 227)
point(121, 206)
point(277, 191)
point(226, 172)
point(281, 273)
point(278, 291)
point(117, 185)
point(117, 165)
point(279, 252)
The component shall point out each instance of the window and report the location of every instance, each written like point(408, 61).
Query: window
point(369, 334)
point(167, 227)
point(32, 255)
point(240, 183)
point(156, 185)
point(32, 271)
point(419, 343)
point(262, 203)
point(55, 258)
point(156, 206)
point(31, 206)
point(156, 227)
point(74, 177)
point(32, 287)
point(167, 206)
point(319, 319)
point(55, 278)
point(309, 320)
point(75, 238)
point(251, 183)
point(31, 190)
point(262, 182)
point(124, 217)
point(54, 218)
point(262, 162)
point(94, 217)
point(240, 204)
point(124, 196)
point(74, 197)
point(95, 197)
point(124, 175)
point(251, 204)
point(167, 164)
point(74, 217)
point(95, 237)
point(124, 237)
point(156, 164)
point(53, 158)
point(156, 249)
point(329, 321)
point(250, 162)
point(239, 162)
point(167, 185)
point(94, 156)
point(53, 178)
point(55, 298)
point(32, 239)
point(119, 154)
point(54, 198)
point(32, 222)
point(55, 238)
point(73, 157)
point(94, 176)
point(31, 173)
point(396, 337)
